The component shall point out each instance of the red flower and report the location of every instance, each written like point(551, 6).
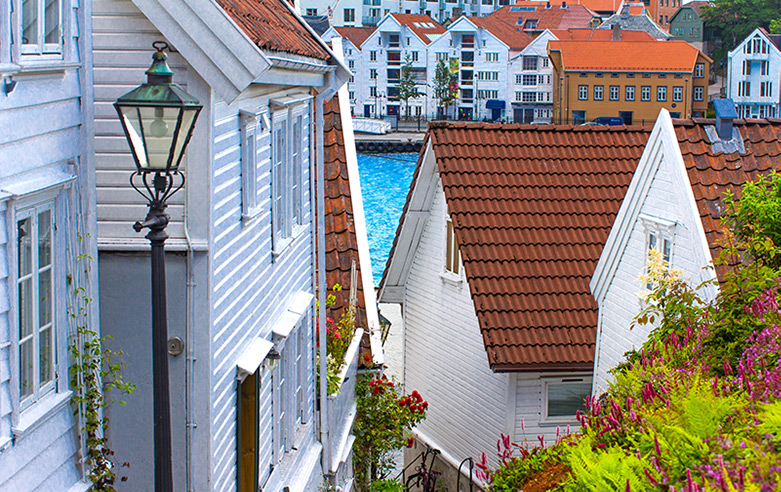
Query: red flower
point(416, 395)
point(424, 405)
point(410, 442)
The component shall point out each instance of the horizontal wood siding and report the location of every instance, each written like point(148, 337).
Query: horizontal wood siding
point(445, 357)
point(122, 39)
point(666, 199)
point(250, 288)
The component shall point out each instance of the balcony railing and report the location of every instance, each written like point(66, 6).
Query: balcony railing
point(342, 406)
point(370, 20)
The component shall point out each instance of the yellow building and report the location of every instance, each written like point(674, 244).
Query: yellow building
point(631, 80)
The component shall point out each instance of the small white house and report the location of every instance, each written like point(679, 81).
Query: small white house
point(242, 258)
point(753, 75)
point(352, 41)
point(47, 222)
point(491, 262)
point(531, 86)
point(673, 206)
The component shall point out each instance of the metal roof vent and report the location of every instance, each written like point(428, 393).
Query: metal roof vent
point(547, 6)
point(724, 136)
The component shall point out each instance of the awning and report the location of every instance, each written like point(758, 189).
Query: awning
point(494, 104)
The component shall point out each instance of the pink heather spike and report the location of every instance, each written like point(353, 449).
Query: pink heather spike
point(628, 486)
point(523, 427)
point(656, 447)
point(542, 440)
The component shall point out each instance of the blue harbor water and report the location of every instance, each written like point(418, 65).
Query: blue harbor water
point(385, 180)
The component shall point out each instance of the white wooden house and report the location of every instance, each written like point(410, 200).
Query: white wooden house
point(46, 205)
point(673, 206)
point(241, 258)
point(496, 244)
point(753, 75)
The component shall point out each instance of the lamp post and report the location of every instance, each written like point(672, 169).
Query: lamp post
point(158, 119)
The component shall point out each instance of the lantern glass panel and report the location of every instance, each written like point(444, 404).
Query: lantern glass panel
point(188, 120)
point(151, 131)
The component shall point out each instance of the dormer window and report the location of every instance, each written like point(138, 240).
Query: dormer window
point(659, 235)
point(452, 255)
point(531, 24)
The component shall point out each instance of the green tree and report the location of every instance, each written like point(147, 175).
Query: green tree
point(407, 86)
point(775, 26)
point(441, 84)
point(733, 20)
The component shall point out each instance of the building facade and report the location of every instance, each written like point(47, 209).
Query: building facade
point(629, 80)
point(753, 75)
point(686, 24)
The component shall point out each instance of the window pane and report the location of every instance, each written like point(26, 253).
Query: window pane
point(25, 308)
point(46, 373)
point(29, 21)
point(297, 149)
point(44, 238)
point(26, 369)
point(24, 246)
point(45, 297)
point(565, 399)
point(52, 26)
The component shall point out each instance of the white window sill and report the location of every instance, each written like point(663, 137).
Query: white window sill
point(451, 278)
point(28, 65)
point(559, 421)
point(284, 243)
point(31, 418)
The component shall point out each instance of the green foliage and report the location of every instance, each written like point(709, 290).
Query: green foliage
point(733, 20)
point(407, 86)
point(610, 469)
point(518, 469)
point(775, 26)
point(386, 485)
point(94, 371)
point(383, 420)
point(339, 335)
point(442, 82)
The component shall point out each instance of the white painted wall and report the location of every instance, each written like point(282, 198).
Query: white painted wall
point(543, 87)
point(753, 105)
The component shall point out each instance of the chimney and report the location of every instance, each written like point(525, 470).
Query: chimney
point(616, 36)
point(725, 113)
point(563, 5)
point(547, 6)
point(625, 12)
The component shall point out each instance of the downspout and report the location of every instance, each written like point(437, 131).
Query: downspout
point(189, 362)
point(321, 287)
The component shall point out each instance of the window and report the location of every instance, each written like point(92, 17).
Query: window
point(698, 91)
point(487, 75)
point(372, 92)
point(311, 12)
point(415, 56)
point(249, 160)
point(35, 299)
point(452, 255)
point(541, 79)
point(481, 94)
point(352, 95)
point(746, 67)
point(614, 91)
point(492, 57)
point(373, 73)
point(765, 89)
point(599, 92)
point(583, 93)
point(699, 70)
point(629, 93)
point(744, 89)
point(442, 57)
point(41, 26)
point(349, 15)
point(351, 64)
point(677, 93)
point(763, 67)
point(645, 93)
point(659, 234)
point(565, 396)
point(518, 79)
point(529, 80)
point(545, 62)
point(290, 157)
point(530, 63)
point(529, 97)
point(373, 56)
point(661, 93)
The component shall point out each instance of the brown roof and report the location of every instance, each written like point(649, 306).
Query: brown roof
point(713, 173)
point(670, 56)
point(532, 206)
point(697, 5)
point(421, 25)
point(272, 26)
point(574, 16)
point(599, 35)
point(341, 244)
point(356, 35)
point(512, 36)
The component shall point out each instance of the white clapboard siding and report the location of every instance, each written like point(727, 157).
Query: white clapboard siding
point(250, 288)
point(668, 199)
point(445, 357)
point(122, 40)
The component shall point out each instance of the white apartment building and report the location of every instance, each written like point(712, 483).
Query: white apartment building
point(753, 75)
point(531, 85)
point(352, 41)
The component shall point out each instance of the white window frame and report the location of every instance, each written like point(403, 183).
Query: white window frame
point(677, 93)
point(583, 93)
point(451, 254)
point(660, 236)
point(254, 127)
point(698, 92)
point(547, 382)
point(629, 93)
point(699, 70)
point(40, 46)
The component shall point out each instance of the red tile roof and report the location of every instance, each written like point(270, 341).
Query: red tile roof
point(574, 16)
point(272, 26)
point(341, 243)
point(713, 173)
point(599, 35)
point(532, 206)
point(669, 56)
point(421, 25)
point(510, 35)
point(356, 35)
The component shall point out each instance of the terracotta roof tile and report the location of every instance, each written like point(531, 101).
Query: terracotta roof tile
point(574, 16)
point(341, 244)
point(356, 35)
point(711, 174)
point(272, 26)
point(422, 25)
point(510, 35)
point(669, 56)
point(532, 206)
point(599, 35)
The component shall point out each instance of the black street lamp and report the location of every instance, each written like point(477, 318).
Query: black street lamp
point(158, 119)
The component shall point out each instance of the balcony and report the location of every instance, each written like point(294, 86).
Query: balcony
point(342, 406)
point(370, 20)
point(375, 3)
point(394, 58)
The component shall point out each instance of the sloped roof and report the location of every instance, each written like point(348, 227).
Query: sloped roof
point(697, 5)
point(532, 206)
point(422, 25)
point(670, 56)
point(512, 36)
point(713, 173)
point(635, 22)
point(599, 35)
point(574, 16)
point(356, 35)
point(272, 26)
point(341, 243)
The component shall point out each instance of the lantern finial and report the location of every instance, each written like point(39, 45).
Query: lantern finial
point(159, 73)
